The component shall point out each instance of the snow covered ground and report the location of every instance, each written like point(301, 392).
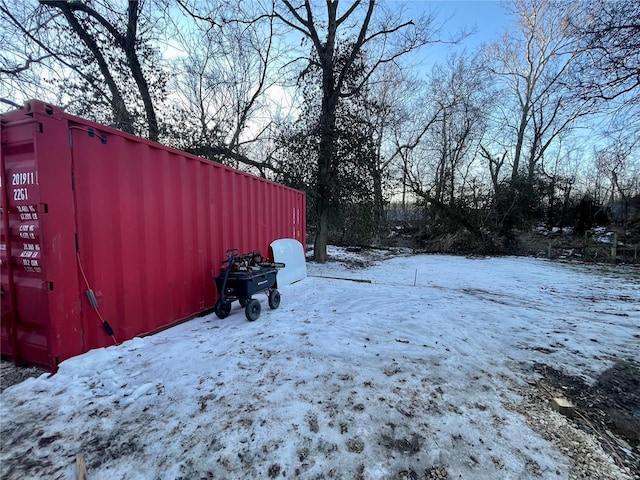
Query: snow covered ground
point(417, 374)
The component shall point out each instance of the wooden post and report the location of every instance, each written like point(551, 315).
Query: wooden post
point(549, 255)
point(81, 467)
point(586, 248)
point(614, 248)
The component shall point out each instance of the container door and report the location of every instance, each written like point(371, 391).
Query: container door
point(40, 295)
point(24, 320)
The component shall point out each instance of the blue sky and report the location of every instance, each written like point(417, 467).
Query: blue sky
point(486, 18)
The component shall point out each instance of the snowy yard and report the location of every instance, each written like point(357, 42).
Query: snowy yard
point(429, 371)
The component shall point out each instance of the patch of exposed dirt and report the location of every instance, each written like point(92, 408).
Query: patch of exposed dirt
point(10, 374)
point(361, 257)
point(609, 409)
point(433, 473)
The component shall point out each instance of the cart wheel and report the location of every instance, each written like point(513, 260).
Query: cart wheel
point(252, 310)
point(222, 309)
point(244, 301)
point(274, 299)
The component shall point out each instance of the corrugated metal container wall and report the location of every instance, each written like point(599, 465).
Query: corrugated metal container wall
point(145, 227)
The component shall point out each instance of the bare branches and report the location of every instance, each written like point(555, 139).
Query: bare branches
point(608, 68)
point(127, 43)
point(610, 42)
point(74, 6)
point(229, 74)
point(306, 26)
point(32, 38)
point(26, 66)
point(193, 14)
point(357, 46)
point(348, 47)
point(9, 102)
point(531, 63)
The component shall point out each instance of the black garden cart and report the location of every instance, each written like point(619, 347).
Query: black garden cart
point(243, 276)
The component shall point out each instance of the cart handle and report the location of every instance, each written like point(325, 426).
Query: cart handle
point(232, 252)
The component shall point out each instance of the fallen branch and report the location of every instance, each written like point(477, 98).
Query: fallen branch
point(360, 280)
point(616, 457)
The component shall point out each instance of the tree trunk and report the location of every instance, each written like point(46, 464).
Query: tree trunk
point(121, 115)
point(320, 241)
point(333, 78)
point(519, 144)
point(129, 48)
point(325, 174)
point(327, 126)
point(322, 207)
point(143, 88)
point(552, 195)
point(378, 201)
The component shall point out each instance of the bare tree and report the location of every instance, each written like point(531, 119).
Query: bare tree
point(496, 162)
point(228, 76)
point(123, 32)
point(457, 90)
point(396, 115)
point(386, 42)
point(531, 63)
point(413, 117)
point(441, 170)
point(105, 54)
point(25, 66)
point(389, 98)
point(609, 37)
point(617, 164)
point(608, 69)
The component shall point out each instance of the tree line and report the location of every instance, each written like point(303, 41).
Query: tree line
point(333, 98)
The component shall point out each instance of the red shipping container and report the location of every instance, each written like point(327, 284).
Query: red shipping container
point(142, 226)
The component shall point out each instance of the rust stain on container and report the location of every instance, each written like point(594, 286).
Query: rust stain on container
point(143, 225)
